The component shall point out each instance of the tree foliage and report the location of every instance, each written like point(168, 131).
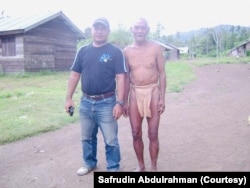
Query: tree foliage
point(214, 41)
point(209, 42)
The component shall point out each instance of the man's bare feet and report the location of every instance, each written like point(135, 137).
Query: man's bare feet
point(140, 169)
point(153, 169)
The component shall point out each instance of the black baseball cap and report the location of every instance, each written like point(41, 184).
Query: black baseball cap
point(102, 21)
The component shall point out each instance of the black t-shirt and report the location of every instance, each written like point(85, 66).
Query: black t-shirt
point(98, 67)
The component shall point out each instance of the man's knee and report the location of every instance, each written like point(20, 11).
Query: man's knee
point(153, 136)
point(136, 136)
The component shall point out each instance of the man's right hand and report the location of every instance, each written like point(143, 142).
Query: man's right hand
point(68, 104)
point(125, 110)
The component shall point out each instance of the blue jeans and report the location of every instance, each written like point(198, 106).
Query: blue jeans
point(94, 115)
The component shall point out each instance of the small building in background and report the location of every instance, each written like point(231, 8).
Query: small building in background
point(172, 52)
point(240, 50)
point(184, 50)
point(38, 42)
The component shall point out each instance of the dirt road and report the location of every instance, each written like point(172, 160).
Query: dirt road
point(204, 128)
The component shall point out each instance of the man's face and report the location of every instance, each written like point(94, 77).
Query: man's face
point(140, 31)
point(100, 33)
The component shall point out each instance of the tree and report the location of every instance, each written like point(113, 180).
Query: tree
point(121, 37)
point(157, 35)
point(212, 42)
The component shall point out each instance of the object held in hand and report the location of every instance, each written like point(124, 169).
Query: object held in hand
point(71, 110)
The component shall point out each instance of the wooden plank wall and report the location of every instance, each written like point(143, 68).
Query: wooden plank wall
point(11, 65)
point(248, 46)
point(50, 46)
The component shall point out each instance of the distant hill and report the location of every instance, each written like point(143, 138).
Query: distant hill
point(184, 36)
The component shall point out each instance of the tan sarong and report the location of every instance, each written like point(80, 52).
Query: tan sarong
point(143, 97)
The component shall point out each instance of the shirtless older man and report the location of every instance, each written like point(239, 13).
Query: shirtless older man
point(146, 86)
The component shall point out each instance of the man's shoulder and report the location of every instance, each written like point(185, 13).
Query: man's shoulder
point(128, 47)
point(157, 44)
point(84, 47)
point(154, 43)
point(113, 47)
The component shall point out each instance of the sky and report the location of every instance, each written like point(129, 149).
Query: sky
point(174, 16)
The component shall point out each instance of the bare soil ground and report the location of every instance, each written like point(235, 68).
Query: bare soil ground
point(204, 128)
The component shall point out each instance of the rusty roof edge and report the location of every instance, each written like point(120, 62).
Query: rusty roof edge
point(12, 32)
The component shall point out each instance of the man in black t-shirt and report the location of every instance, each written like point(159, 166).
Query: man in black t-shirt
point(101, 68)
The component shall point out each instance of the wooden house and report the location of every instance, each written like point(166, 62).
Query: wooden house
point(240, 50)
point(171, 52)
point(184, 50)
point(38, 42)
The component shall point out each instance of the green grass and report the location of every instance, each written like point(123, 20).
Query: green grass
point(178, 75)
point(33, 103)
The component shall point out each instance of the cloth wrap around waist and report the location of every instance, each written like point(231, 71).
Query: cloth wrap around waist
point(143, 97)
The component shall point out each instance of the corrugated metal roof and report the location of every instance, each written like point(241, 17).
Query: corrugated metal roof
point(242, 44)
point(184, 50)
point(23, 24)
point(166, 45)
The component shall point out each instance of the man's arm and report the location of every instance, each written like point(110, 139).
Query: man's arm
point(120, 86)
point(162, 79)
point(72, 84)
point(120, 81)
point(127, 88)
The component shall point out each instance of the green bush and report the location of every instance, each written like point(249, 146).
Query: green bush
point(248, 53)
